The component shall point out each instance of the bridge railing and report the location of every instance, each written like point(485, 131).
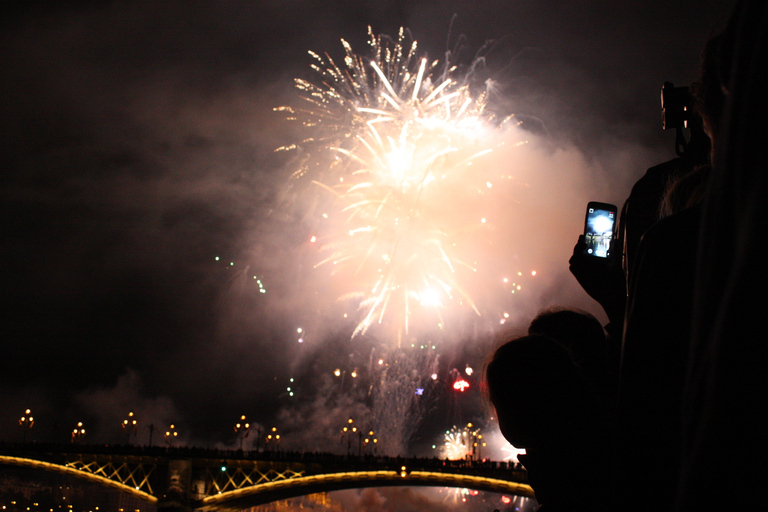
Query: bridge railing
point(367, 461)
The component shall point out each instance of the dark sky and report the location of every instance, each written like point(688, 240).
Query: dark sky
point(137, 146)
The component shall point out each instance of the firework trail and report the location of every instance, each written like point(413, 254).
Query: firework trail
point(395, 147)
point(402, 394)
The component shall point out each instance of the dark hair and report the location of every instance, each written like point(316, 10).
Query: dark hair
point(581, 333)
point(709, 91)
point(530, 369)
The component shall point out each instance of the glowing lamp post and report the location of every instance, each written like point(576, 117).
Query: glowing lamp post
point(78, 433)
point(347, 432)
point(26, 422)
point(475, 443)
point(274, 438)
point(242, 429)
point(170, 435)
point(371, 440)
point(130, 426)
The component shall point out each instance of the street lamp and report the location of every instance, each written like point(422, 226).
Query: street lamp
point(348, 430)
point(475, 448)
point(273, 436)
point(78, 433)
point(129, 426)
point(170, 435)
point(26, 422)
point(481, 444)
point(371, 440)
point(242, 429)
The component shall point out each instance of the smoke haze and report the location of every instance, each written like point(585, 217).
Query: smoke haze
point(143, 202)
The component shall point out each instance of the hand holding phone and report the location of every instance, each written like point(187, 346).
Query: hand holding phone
point(599, 228)
point(594, 265)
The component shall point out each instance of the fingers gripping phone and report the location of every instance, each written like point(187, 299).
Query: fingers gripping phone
point(599, 228)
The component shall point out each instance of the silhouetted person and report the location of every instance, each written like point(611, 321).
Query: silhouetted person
point(664, 189)
point(580, 332)
point(657, 333)
point(543, 404)
point(645, 204)
point(725, 431)
point(660, 258)
point(583, 335)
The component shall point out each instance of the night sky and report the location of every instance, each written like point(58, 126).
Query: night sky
point(138, 146)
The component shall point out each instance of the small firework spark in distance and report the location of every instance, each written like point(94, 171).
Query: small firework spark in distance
point(394, 149)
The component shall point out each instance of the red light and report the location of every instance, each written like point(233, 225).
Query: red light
point(460, 385)
point(506, 500)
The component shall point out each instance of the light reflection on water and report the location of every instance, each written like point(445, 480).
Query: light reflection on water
point(398, 499)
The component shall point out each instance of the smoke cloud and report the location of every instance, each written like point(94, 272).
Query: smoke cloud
point(150, 263)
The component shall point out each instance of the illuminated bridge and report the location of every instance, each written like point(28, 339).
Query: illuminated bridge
point(214, 480)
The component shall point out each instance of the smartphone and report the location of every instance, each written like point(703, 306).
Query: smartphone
point(599, 228)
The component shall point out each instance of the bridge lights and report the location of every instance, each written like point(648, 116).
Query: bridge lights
point(480, 444)
point(26, 422)
point(273, 437)
point(371, 440)
point(170, 435)
point(130, 426)
point(242, 429)
point(78, 433)
point(350, 429)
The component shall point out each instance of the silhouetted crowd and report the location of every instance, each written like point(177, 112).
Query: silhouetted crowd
point(664, 408)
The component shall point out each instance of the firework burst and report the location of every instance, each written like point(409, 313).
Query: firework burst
point(460, 443)
point(396, 146)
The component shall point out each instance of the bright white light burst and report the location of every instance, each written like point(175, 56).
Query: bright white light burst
point(395, 144)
